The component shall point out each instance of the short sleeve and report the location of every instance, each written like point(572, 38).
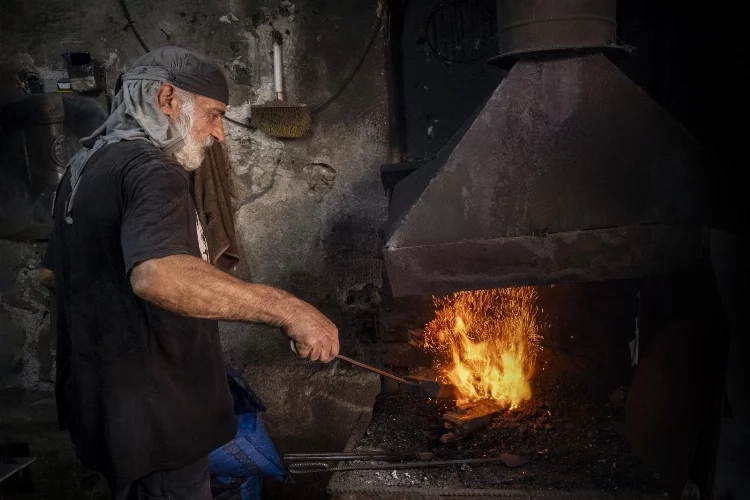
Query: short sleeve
point(48, 259)
point(156, 214)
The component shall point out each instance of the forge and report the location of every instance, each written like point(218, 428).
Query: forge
point(607, 407)
point(549, 262)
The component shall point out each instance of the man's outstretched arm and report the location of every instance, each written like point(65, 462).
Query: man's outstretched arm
point(189, 286)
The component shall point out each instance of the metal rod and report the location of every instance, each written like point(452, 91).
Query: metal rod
point(339, 457)
point(310, 467)
point(343, 454)
point(375, 370)
point(361, 455)
point(366, 367)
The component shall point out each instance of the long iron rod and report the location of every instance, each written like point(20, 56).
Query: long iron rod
point(366, 367)
point(375, 370)
point(309, 468)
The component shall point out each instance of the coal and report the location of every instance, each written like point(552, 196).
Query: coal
point(563, 438)
point(467, 419)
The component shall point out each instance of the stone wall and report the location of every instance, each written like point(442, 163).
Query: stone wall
point(25, 337)
point(307, 210)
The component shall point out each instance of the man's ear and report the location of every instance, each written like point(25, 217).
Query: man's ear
point(168, 102)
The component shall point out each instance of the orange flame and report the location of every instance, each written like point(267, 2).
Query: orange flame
point(487, 342)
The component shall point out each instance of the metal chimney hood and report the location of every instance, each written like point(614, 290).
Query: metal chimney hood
point(568, 172)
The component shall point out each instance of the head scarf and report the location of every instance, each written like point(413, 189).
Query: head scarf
point(135, 111)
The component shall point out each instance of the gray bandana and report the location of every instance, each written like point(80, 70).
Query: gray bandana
point(135, 110)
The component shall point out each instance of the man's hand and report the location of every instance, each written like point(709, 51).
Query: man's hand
point(47, 278)
point(315, 336)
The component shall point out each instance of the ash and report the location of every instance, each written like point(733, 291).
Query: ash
point(571, 442)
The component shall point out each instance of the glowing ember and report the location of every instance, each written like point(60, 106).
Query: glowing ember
point(487, 342)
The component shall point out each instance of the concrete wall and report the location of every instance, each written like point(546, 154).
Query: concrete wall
point(307, 210)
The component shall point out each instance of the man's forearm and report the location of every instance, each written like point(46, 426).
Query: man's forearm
point(189, 286)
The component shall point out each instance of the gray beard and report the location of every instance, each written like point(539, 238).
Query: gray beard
point(193, 152)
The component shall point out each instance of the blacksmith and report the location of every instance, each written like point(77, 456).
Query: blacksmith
point(141, 383)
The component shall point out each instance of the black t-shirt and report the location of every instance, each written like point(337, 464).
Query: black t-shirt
point(139, 388)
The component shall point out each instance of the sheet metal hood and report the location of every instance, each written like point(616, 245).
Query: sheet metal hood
point(567, 172)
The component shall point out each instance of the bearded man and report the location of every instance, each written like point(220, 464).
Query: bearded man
point(141, 382)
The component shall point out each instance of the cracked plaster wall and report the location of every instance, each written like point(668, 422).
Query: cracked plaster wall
point(307, 211)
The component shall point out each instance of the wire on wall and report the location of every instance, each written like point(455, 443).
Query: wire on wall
point(344, 84)
point(131, 25)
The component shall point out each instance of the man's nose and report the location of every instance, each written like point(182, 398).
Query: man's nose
point(218, 132)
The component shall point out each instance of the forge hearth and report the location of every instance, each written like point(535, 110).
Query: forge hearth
point(567, 436)
point(572, 434)
point(574, 449)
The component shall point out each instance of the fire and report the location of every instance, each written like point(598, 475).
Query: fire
point(487, 342)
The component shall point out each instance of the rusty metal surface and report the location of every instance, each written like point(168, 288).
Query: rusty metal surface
point(566, 145)
point(529, 27)
point(615, 253)
point(673, 410)
point(667, 404)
